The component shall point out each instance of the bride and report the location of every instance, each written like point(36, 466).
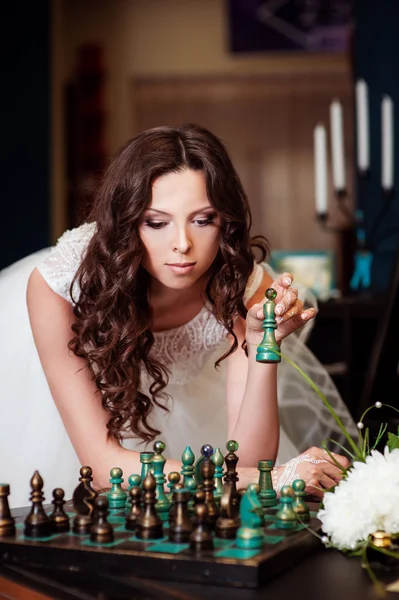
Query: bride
point(110, 339)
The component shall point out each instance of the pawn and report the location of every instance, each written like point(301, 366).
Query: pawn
point(59, 519)
point(101, 532)
point(299, 505)
point(135, 508)
point(173, 478)
point(37, 523)
point(134, 481)
point(171, 515)
point(7, 524)
point(116, 496)
point(149, 525)
point(201, 535)
point(286, 517)
point(181, 527)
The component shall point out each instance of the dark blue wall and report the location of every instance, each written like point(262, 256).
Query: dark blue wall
point(25, 127)
point(377, 61)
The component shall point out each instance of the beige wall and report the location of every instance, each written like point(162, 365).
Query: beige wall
point(152, 39)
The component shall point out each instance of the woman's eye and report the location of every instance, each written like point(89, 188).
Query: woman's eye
point(156, 224)
point(204, 222)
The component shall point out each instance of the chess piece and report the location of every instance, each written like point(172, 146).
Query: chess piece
point(171, 516)
point(158, 463)
point(84, 495)
point(173, 478)
point(268, 351)
point(181, 526)
point(187, 471)
point(101, 532)
point(7, 524)
point(267, 495)
point(250, 534)
point(116, 496)
point(145, 459)
point(149, 525)
point(208, 472)
point(299, 505)
point(231, 460)
point(83, 502)
point(135, 507)
point(37, 523)
point(228, 522)
point(218, 459)
point(58, 518)
point(201, 535)
point(134, 481)
point(286, 517)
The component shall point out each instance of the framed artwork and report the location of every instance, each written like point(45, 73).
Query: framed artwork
point(290, 25)
point(314, 269)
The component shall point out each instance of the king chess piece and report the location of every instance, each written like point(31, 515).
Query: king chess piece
point(268, 351)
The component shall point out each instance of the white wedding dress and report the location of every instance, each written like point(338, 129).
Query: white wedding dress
point(32, 433)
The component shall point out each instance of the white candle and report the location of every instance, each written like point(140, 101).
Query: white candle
point(320, 168)
point(387, 124)
point(362, 126)
point(337, 146)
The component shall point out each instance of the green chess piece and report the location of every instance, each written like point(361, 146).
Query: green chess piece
point(157, 466)
point(145, 459)
point(299, 505)
point(187, 471)
point(286, 517)
point(134, 481)
point(250, 534)
point(173, 478)
point(268, 350)
point(267, 494)
point(116, 496)
point(218, 459)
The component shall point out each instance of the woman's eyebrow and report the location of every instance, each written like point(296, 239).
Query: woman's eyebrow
point(195, 212)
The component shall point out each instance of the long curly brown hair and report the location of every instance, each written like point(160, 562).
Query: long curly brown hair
point(113, 314)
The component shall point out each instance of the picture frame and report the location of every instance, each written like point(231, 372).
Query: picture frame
point(315, 269)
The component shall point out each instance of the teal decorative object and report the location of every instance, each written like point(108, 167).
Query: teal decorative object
point(116, 496)
point(268, 350)
point(250, 534)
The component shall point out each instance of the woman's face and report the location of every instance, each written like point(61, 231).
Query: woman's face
point(179, 230)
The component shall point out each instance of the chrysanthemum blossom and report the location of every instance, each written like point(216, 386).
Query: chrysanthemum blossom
point(366, 501)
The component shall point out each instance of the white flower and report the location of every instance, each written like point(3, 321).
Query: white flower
point(366, 501)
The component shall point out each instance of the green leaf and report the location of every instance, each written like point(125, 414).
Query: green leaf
point(393, 441)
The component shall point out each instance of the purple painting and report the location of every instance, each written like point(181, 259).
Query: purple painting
point(290, 25)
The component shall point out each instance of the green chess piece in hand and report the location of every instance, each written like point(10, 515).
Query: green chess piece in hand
point(268, 351)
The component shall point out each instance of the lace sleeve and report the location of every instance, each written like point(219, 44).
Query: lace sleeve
point(60, 266)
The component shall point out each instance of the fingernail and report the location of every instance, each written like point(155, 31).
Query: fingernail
point(304, 316)
point(287, 280)
point(279, 309)
point(279, 319)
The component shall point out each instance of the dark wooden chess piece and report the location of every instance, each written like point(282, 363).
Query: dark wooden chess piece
point(181, 526)
point(208, 486)
point(228, 522)
point(231, 460)
point(7, 525)
point(101, 532)
point(83, 502)
point(149, 525)
point(37, 523)
point(201, 535)
point(171, 516)
point(135, 508)
point(58, 518)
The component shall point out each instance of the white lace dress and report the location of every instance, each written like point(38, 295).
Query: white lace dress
point(32, 433)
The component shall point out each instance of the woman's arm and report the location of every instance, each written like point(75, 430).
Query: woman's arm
point(252, 398)
point(74, 393)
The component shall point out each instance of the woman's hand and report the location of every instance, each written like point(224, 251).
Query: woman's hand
point(316, 467)
point(289, 311)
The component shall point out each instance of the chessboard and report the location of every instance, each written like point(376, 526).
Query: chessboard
point(127, 555)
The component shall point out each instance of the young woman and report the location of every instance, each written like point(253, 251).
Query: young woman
point(131, 311)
